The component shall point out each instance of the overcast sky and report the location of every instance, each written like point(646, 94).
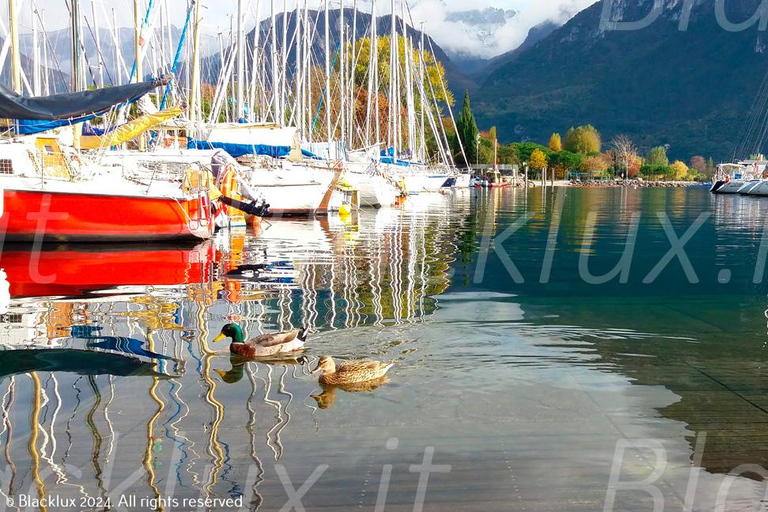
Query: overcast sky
point(218, 13)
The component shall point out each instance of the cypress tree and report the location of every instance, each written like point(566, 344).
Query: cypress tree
point(466, 128)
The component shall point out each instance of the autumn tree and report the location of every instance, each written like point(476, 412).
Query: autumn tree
point(525, 150)
point(657, 156)
point(699, 164)
point(625, 152)
point(584, 140)
point(633, 168)
point(466, 130)
point(359, 57)
point(594, 163)
point(555, 143)
point(538, 160)
point(680, 170)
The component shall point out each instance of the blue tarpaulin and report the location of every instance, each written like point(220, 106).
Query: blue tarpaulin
point(238, 150)
point(401, 163)
point(30, 127)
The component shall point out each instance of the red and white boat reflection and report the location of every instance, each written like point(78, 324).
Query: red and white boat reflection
point(79, 270)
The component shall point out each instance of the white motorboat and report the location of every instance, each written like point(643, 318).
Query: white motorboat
point(732, 178)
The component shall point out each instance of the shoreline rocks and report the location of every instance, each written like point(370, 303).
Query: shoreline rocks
point(634, 184)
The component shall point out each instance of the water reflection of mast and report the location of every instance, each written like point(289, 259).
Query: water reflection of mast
point(148, 466)
point(51, 435)
point(182, 410)
point(33, 433)
point(107, 419)
point(8, 427)
point(423, 275)
point(214, 447)
point(277, 447)
point(378, 309)
point(395, 271)
point(411, 267)
point(97, 440)
point(251, 427)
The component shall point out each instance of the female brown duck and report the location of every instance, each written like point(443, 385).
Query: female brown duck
point(265, 345)
point(350, 372)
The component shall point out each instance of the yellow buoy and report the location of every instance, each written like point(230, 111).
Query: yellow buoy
point(345, 210)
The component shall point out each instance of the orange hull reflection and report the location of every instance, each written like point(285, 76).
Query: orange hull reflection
point(73, 271)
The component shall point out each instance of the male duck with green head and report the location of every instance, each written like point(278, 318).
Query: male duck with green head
point(266, 345)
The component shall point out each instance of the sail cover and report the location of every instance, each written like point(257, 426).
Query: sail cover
point(71, 105)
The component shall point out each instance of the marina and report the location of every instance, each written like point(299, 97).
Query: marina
point(282, 268)
point(523, 390)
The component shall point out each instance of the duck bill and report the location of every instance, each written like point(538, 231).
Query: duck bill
point(221, 373)
point(219, 338)
point(317, 369)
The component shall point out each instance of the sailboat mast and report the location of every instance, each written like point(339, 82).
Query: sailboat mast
point(275, 81)
point(352, 69)
point(76, 64)
point(342, 74)
point(393, 73)
point(409, 83)
point(255, 65)
point(136, 40)
point(328, 76)
point(284, 62)
point(116, 34)
point(46, 78)
point(375, 57)
point(37, 65)
point(240, 62)
point(195, 83)
point(422, 97)
point(298, 74)
point(308, 35)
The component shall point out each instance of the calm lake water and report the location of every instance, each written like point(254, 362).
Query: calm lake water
point(526, 382)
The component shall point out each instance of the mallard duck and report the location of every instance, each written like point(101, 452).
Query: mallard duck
point(350, 372)
point(265, 345)
point(327, 398)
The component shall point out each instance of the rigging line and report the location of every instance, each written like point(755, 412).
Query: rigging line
point(756, 110)
point(50, 45)
point(322, 96)
point(761, 124)
point(99, 53)
point(179, 49)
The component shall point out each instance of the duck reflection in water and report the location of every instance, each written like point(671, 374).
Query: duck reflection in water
point(237, 372)
point(327, 398)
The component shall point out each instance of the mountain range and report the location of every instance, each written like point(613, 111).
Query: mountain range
point(690, 89)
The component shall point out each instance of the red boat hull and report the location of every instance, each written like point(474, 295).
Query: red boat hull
point(79, 217)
